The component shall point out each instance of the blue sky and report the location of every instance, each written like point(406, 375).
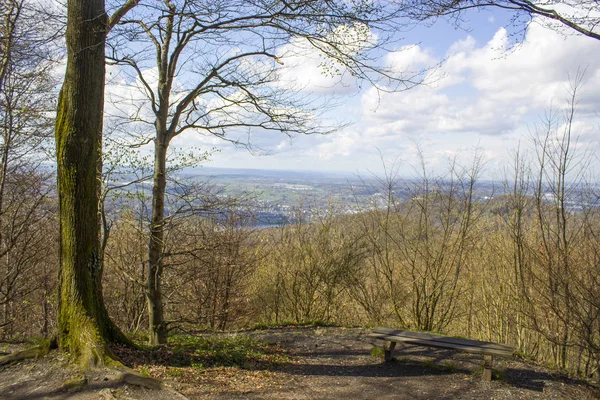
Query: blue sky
point(489, 91)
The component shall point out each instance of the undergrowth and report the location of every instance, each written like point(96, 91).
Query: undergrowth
point(202, 352)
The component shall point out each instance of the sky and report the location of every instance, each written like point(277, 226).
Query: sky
point(491, 88)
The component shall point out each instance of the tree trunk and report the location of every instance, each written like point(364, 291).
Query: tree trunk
point(84, 328)
point(158, 327)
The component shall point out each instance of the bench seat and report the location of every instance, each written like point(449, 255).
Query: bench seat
point(488, 349)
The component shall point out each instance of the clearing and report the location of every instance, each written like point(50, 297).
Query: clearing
point(290, 363)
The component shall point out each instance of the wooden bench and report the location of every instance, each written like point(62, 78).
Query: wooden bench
point(488, 349)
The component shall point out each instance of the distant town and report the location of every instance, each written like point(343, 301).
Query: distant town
point(280, 197)
point(274, 198)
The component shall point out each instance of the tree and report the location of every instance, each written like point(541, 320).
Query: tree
point(420, 246)
point(563, 180)
point(84, 328)
point(213, 67)
point(307, 269)
point(581, 16)
point(26, 208)
point(24, 99)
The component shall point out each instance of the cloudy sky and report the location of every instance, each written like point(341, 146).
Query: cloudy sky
point(493, 86)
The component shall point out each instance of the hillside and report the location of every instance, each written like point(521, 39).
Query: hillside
point(297, 363)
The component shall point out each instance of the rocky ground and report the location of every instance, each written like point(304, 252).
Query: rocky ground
point(296, 363)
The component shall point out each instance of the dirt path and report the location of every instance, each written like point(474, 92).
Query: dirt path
point(336, 363)
point(319, 363)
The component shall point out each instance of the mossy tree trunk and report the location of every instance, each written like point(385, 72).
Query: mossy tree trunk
point(84, 328)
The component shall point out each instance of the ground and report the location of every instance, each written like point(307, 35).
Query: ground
point(292, 363)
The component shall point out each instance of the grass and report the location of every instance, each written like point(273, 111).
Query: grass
point(447, 365)
point(174, 372)
point(497, 374)
point(138, 337)
point(377, 351)
point(144, 371)
point(204, 352)
point(289, 324)
point(226, 351)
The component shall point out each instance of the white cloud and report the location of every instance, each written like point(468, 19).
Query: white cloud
point(492, 88)
point(342, 145)
point(304, 68)
point(309, 69)
point(486, 92)
point(410, 58)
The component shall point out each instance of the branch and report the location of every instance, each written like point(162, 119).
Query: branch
point(120, 13)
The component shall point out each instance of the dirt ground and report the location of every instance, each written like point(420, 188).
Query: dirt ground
point(315, 363)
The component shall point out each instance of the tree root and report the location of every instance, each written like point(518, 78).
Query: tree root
point(116, 376)
point(131, 377)
point(122, 374)
point(33, 352)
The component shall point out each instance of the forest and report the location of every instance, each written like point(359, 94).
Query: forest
point(521, 267)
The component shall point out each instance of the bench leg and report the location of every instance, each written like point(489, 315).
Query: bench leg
point(389, 348)
point(488, 360)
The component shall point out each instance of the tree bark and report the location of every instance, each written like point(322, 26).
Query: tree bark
point(158, 327)
point(84, 328)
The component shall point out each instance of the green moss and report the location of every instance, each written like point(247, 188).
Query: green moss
point(75, 384)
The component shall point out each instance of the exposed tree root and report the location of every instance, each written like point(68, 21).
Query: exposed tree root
point(33, 352)
point(131, 377)
point(116, 376)
point(117, 372)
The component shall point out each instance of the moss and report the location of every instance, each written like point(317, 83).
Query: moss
point(75, 384)
point(33, 352)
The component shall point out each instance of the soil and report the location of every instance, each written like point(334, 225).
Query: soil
point(314, 363)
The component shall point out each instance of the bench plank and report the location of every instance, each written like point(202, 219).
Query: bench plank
point(445, 339)
point(488, 349)
point(437, 343)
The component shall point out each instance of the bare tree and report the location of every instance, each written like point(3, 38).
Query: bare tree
point(216, 67)
point(208, 282)
point(563, 176)
point(579, 16)
point(308, 269)
point(26, 90)
point(420, 245)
